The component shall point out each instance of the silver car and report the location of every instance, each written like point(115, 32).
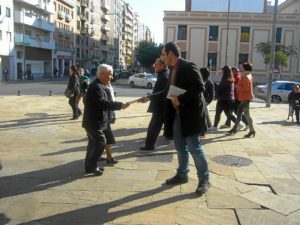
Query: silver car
point(280, 90)
point(143, 80)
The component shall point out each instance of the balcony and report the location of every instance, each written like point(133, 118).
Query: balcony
point(21, 39)
point(83, 30)
point(61, 15)
point(104, 37)
point(63, 49)
point(105, 18)
point(105, 28)
point(83, 17)
point(68, 33)
point(68, 18)
point(33, 21)
point(84, 3)
point(61, 32)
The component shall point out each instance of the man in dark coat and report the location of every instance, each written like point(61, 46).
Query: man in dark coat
point(95, 118)
point(156, 106)
point(185, 117)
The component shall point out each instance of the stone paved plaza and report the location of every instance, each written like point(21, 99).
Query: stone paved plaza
point(43, 182)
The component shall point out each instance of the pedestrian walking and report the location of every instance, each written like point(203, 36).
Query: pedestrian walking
point(156, 106)
point(95, 117)
point(73, 88)
point(6, 74)
point(185, 117)
point(245, 95)
point(84, 82)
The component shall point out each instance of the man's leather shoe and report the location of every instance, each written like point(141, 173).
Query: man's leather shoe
point(97, 171)
point(177, 180)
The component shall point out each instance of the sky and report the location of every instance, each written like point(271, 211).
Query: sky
point(151, 13)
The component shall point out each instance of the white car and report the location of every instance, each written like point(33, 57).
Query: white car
point(143, 80)
point(280, 90)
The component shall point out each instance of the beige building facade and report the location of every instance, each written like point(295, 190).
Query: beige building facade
point(202, 37)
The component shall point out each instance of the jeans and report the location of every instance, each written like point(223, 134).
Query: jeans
point(154, 128)
point(95, 148)
point(191, 144)
point(244, 107)
point(223, 105)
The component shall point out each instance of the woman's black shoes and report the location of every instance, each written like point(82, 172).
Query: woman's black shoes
point(250, 134)
point(231, 132)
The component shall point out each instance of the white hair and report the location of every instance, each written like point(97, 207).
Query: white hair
point(103, 68)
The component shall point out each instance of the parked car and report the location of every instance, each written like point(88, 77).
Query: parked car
point(280, 90)
point(143, 80)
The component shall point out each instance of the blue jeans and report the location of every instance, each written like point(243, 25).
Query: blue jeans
point(191, 144)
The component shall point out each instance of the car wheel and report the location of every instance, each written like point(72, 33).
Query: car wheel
point(276, 99)
point(149, 85)
point(132, 84)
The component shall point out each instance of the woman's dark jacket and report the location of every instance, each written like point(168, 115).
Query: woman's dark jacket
point(158, 96)
point(73, 84)
point(292, 97)
point(225, 90)
point(192, 103)
point(97, 107)
point(209, 92)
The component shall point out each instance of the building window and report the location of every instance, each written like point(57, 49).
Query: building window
point(78, 52)
point(278, 35)
point(212, 61)
point(243, 58)
point(245, 34)
point(78, 25)
point(8, 36)
point(78, 11)
point(54, 6)
point(7, 12)
point(0, 9)
point(19, 55)
point(183, 55)
point(213, 33)
point(182, 32)
point(28, 32)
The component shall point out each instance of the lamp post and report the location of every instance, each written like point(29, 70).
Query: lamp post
point(227, 34)
point(271, 66)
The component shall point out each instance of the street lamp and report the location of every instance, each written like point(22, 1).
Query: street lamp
point(227, 34)
point(271, 68)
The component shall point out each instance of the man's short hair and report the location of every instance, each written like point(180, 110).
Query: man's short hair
point(104, 68)
point(247, 67)
point(173, 47)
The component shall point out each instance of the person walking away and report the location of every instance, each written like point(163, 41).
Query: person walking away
point(6, 74)
point(156, 106)
point(84, 82)
point(185, 117)
point(245, 95)
point(225, 96)
point(208, 93)
point(236, 102)
point(73, 86)
point(95, 117)
point(294, 100)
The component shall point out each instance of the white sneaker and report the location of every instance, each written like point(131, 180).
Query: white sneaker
point(212, 129)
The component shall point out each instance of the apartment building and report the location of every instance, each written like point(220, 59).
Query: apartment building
point(127, 33)
point(202, 37)
point(64, 53)
point(34, 42)
point(7, 52)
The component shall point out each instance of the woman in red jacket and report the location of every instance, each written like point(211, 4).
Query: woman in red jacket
point(245, 95)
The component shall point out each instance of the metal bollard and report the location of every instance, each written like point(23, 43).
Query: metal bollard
point(51, 93)
point(19, 93)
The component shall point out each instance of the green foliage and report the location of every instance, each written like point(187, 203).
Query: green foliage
point(147, 53)
point(282, 52)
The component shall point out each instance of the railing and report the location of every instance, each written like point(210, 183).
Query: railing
point(68, 18)
point(21, 39)
point(61, 14)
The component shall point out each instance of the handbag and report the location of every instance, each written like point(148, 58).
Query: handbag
point(67, 93)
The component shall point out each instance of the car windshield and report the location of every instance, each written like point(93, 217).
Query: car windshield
point(149, 75)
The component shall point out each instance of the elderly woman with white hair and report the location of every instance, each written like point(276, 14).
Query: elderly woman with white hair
point(96, 117)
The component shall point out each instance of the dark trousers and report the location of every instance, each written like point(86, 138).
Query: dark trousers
point(244, 108)
point(154, 128)
point(73, 104)
point(96, 143)
point(297, 110)
point(223, 105)
point(234, 108)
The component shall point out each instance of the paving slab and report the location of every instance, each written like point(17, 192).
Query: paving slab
point(261, 217)
point(285, 186)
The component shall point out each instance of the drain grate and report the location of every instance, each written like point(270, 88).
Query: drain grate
point(231, 160)
point(155, 158)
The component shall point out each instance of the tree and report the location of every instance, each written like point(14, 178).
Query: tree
point(147, 53)
point(282, 54)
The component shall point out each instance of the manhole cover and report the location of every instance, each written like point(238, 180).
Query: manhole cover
point(231, 160)
point(155, 158)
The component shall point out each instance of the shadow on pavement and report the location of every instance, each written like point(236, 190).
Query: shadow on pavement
point(4, 219)
point(284, 123)
point(41, 179)
point(65, 151)
point(103, 213)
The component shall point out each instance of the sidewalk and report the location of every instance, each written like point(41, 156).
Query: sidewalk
point(43, 181)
